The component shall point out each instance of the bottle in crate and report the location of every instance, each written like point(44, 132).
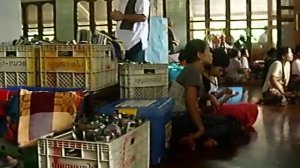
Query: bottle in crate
point(158, 112)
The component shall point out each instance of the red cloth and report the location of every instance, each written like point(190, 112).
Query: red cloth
point(4, 100)
point(245, 113)
point(11, 133)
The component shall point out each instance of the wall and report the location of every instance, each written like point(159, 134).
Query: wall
point(176, 10)
point(10, 20)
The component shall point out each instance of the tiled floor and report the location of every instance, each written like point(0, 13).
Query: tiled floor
point(276, 144)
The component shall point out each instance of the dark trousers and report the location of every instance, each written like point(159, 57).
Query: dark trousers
point(225, 130)
point(136, 53)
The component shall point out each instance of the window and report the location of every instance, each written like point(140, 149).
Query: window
point(274, 7)
point(101, 15)
point(197, 10)
point(259, 23)
point(197, 19)
point(39, 20)
point(198, 25)
point(198, 35)
point(259, 9)
point(238, 24)
point(256, 34)
point(32, 18)
point(217, 10)
point(218, 25)
point(48, 22)
point(287, 2)
point(83, 15)
point(93, 15)
point(238, 10)
point(237, 33)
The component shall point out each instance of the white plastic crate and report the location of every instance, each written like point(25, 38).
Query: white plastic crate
point(81, 66)
point(17, 66)
point(129, 151)
point(143, 80)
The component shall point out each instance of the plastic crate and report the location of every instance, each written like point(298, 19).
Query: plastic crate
point(144, 81)
point(159, 115)
point(129, 151)
point(18, 65)
point(174, 71)
point(78, 66)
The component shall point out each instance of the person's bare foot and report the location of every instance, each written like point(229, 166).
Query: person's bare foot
point(11, 162)
point(210, 143)
point(188, 142)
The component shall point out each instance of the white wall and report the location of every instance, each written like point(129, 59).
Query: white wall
point(10, 20)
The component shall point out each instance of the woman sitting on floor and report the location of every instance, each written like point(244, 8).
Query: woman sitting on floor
point(190, 126)
point(274, 89)
point(245, 113)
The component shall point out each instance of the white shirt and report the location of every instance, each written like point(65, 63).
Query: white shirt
point(276, 70)
point(263, 38)
point(214, 86)
point(245, 63)
point(296, 67)
point(140, 29)
point(234, 66)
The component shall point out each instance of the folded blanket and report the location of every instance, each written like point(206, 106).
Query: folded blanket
point(42, 113)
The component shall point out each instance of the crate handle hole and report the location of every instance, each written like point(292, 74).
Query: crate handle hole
point(132, 141)
point(73, 152)
point(11, 53)
point(65, 53)
point(149, 71)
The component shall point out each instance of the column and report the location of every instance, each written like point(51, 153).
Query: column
point(65, 20)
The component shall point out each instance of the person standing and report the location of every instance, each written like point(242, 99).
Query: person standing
point(132, 27)
point(173, 42)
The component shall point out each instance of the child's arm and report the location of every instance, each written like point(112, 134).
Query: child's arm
point(227, 97)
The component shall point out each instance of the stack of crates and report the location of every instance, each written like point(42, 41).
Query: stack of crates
point(91, 67)
point(128, 151)
point(18, 65)
point(143, 81)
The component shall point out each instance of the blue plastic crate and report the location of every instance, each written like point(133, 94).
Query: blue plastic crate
point(238, 98)
point(159, 115)
point(174, 71)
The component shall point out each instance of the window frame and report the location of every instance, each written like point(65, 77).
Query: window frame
point(40, 27)
point(92, 25)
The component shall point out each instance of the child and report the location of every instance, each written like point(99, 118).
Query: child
point(245, 113)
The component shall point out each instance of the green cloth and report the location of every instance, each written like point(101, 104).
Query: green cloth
point(28, 156)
